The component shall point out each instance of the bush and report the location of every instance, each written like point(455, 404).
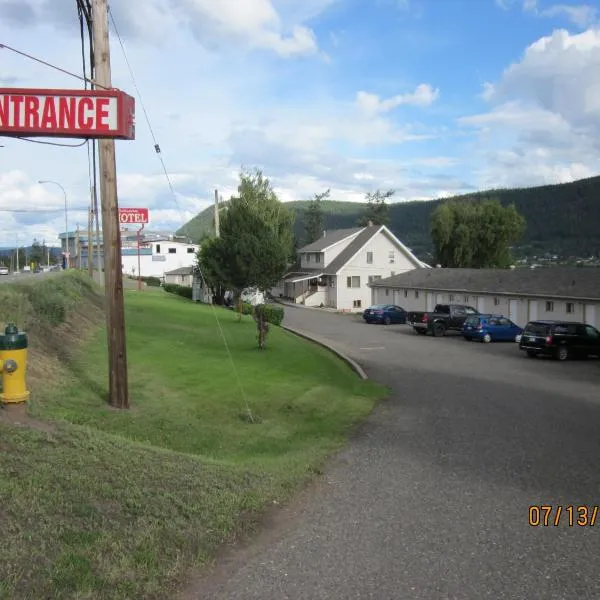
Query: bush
point(181, 290)
point(273, 313)
point(151, 281)
point(247, 308)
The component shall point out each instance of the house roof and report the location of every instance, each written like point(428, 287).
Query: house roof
point(565, 282)
point(329, 239)
point(366, 233)
point(181, 271)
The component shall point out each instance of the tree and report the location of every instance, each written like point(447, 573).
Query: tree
point(314, 219)
point(377, 210)
point(256, 239)
point(475, 234)
point(37, 253)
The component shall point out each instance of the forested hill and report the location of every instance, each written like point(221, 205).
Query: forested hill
point(562, 219)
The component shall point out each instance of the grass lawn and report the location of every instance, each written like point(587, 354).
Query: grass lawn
point(113, 504)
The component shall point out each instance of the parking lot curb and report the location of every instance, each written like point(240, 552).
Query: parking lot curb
point(325, 344)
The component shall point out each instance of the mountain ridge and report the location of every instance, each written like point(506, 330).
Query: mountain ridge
point(562, 219)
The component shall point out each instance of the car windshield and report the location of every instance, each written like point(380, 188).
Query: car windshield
point(379, 306)
point(537, 328)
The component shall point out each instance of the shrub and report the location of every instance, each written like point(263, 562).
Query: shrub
point(247, 308)
point(181, 290)
point(273, 313)
point(151, 281)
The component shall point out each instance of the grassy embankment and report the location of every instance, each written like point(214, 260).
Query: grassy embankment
point(98, 503)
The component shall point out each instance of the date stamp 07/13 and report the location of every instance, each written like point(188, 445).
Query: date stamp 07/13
point(570, 515)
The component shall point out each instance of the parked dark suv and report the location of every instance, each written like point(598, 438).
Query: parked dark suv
point(560, 339)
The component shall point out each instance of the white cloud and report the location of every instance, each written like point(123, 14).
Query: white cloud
point(545, 115)
point(582, 15)
point(424, 95)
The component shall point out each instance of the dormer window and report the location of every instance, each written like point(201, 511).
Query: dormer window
point(307, 257)
point(318, 257)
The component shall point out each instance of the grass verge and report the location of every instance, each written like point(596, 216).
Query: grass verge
point(113, 504)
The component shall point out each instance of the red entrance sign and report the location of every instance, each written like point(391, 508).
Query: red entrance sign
point(67, 113)
point(129, 216)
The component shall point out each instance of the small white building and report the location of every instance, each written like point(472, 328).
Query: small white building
point(182, 276)
point(335, 271)
point(522, 295)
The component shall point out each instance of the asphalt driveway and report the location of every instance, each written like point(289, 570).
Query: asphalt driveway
point(430, 499)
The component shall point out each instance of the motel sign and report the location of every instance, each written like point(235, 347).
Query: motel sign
point(133, 216)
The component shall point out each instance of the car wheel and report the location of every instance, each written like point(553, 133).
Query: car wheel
point(531, 353)
point(439, 330)
point(562, 353)
point(387, 321)
point(487, 338)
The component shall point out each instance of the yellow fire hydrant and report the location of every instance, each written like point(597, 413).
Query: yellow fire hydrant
point(13, 365)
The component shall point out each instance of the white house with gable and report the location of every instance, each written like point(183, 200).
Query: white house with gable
point(335, 271)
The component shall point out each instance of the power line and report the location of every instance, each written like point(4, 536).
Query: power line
point(47, 64)
point(133, 79)
point(51, 143)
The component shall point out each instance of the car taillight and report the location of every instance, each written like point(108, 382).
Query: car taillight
point(549, 339)
point(425, 318)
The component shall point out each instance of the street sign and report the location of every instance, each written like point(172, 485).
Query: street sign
point(67, 113)
point(137, 216)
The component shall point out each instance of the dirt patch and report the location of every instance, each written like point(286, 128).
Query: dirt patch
point(17, 415)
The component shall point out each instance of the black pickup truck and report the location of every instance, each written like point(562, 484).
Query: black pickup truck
point(444, 317)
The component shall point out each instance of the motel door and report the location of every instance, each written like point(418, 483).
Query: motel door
point(590, 314)
point(532, 310)
point(513, 311)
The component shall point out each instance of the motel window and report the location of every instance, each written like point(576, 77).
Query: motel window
point(406, 293)
point(496, 301)
point(369, 258)
point(190, 250)
point(465, 299)
point(451, 298)
point(416, 293)
point(356, 303)
point(353, 282)
point(387, 292)
point(157, 248)
point(172, 250)
point(392, 256)
point(570, 307)
point(549, 306)
point(318, 257)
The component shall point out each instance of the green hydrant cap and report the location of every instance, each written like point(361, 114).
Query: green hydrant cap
point(13, 339)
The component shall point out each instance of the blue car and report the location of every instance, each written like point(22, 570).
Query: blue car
point(490, 328)
point(385, 313)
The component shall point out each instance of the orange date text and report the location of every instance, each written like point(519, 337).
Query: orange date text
point(570, 515)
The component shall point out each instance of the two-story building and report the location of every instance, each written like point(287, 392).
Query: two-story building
point(335, 270)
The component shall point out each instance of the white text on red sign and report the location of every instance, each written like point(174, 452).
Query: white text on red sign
point(59, 112)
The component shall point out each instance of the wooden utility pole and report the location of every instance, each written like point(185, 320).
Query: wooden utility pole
point(113, 275)
point(216, 213)
point(90, 246)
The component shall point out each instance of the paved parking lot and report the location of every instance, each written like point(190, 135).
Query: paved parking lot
point(430, 500)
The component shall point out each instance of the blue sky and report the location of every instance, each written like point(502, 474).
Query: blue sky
point(428, 97)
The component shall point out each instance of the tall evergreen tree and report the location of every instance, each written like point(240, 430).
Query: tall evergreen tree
point(314, 218)
point(377, 209)
point(256, 239)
